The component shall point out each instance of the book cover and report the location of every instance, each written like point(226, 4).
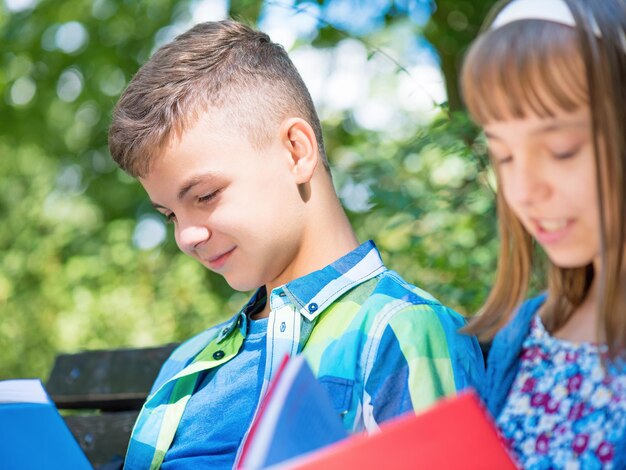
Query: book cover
point(295, 417)
point(456, 433)
point(33, 434)
point(297, 428)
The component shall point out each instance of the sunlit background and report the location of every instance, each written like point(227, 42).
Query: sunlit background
point(84, 260)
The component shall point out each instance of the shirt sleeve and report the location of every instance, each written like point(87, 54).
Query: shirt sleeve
point(418, 356)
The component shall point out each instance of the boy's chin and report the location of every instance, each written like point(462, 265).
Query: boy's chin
point(242, 285)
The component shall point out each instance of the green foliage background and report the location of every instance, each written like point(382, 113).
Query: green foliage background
point(70, 276)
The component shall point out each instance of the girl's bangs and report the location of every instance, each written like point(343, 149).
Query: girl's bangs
point(530, 67)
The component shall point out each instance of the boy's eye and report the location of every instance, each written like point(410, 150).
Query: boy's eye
point(169, 217)
point(208, 197)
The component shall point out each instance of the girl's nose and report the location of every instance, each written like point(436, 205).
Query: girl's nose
point(526, 184)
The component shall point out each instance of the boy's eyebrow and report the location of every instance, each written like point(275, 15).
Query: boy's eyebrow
point(194, 180)
point(188, 185)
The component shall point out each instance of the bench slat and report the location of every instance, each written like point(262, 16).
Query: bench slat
point(106, 380)
point(103, 437)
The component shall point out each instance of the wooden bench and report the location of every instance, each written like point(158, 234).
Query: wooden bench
point(100, 394)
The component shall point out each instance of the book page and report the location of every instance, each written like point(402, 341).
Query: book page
point(22, 391)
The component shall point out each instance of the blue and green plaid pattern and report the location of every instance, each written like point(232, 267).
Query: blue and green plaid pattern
point(379, 345)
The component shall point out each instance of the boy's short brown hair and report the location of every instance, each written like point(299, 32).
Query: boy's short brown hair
point(224, 65)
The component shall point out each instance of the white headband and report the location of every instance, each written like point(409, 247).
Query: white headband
point(556, 11)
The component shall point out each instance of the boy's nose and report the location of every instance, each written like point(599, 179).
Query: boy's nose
point(189, 237)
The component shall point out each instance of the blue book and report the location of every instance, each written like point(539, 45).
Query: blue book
point(33, 434)
point(295, 417)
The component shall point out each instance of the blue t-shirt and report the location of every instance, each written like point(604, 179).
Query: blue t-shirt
point(229, 395)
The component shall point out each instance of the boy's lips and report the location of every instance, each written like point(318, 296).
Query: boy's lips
point(217, 261)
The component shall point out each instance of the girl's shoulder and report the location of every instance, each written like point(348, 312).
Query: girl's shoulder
point(508, 342)
point(518, 326)
point(503, 360)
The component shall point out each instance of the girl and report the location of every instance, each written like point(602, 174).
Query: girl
point(547, 82)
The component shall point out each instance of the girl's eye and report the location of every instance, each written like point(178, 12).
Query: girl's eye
point(565, 155)
point(499, 153)
point(170, 217)
point(503, 160)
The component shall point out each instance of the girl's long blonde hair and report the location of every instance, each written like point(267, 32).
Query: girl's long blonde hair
point(536, 67)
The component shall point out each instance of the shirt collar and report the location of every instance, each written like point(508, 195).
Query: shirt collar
point(240, 320)
point(314, 292)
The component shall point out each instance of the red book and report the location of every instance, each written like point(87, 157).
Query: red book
point(297, 428)
point(456, 433)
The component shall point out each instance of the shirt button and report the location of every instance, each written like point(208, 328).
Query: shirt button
point(218, 355)
point(312, 307)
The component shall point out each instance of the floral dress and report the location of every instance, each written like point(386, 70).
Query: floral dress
point(563, 410)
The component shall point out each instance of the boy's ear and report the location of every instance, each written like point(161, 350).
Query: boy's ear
point(298, 138)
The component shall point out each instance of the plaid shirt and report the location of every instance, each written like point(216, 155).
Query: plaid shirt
point(379, 345)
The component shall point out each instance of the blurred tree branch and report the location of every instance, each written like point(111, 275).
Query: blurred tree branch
point(452, 27)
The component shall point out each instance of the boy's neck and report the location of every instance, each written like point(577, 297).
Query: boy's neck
point(330, 239)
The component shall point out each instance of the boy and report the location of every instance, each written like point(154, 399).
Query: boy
point(222, 133)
